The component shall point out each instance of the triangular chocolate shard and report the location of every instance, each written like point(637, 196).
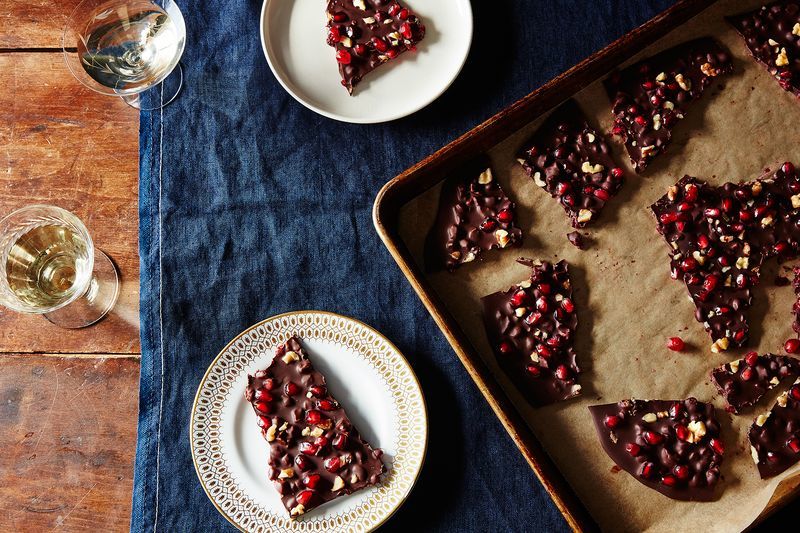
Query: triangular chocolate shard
point(775, 437)
point(744, 382)
point(368, 33)
point(316, 454)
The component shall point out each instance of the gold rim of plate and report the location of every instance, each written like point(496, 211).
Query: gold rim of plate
point(216, 386)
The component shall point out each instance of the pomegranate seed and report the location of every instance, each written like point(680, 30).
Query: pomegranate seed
point(792, 346)
point(392, 53)
point(751, 358)
point(308, 448)
point(633, 449)
point(617, 172)
point(541, 304)
point(612, 421)
point(691, 192)
point(633, 110)
point(689, 264)
point(760, 211)
point(681, 472)
point(327, 405)
point(741, 281)
point(717, 446)
point(304, 497)
point(781, 247)
point(269, 384)
point(653, 438)
point(675, 409)
point(739, 335)
point(332, 464)
point(647, 470)
point(311, 480)
point(263, 407)
point(313, 417)
point(693, 279)
point(334, 35)
point(747, 374)
point(562, 372)
point(544, 288)
point(403, 14)
point(302, 462)
point(264, 395)
point(794, 392)
point(394, 9)
point(317, 390)
point(745, 215)
point(543, 350)
point(640, 120)
point(360, 49)
point(568, 306)
point(669, 480)
point(533, 370)
point(655, 100)
point(322, 442)
point(340, 441)
point(772, 457)
point(533, 318)
point(520, 298)
point(794, 445)
point(343, 57)
point(618, 130)
point(602, 194)
point(676, 344)
point(505, 216)
point(727, 204)
point(264, 422)
point(405, 29)
point(682, 432)
point(505, 348)
point(379, 44)
point(291, 389)
point(711, 212)
point(711, 282)
point(787, 168)
point(339, 16)
point(562, 188)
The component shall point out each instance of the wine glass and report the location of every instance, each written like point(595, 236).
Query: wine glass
point(49, 266)
point(125, 47)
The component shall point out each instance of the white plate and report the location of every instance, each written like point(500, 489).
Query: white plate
point(293, 37)
point(365, 372)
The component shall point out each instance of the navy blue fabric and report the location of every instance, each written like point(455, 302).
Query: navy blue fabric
point(251, 205)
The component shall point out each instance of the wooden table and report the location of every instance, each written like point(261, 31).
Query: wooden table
point(67, 459)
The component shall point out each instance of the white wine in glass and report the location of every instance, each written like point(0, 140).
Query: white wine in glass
point(125, 47)
point(49, 266)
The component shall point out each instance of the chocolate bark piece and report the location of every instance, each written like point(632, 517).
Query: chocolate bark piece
point(796, 305)
point(475, 215)
point(672, 446)
point(745, 381)
point(576, 240)
point(775, 437)
point(719, 238)
point(571, 161)
point(368, 33)
point(316, 454)
point(531, 329)
point(652, 96)
point(772, 36)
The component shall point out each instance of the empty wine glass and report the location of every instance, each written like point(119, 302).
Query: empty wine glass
point(49, 266)
point(125, 47)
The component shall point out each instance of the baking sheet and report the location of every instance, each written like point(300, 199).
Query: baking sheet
point(628, 305)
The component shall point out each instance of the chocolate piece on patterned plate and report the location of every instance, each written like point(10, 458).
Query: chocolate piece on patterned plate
point(316, 454)
point(571, 161)
point(531, 329)
point(673, 446)
point(775, 437)
point(368, 33)
point(650, 97)
point(772, 36)
point(475, 215)
point(744, 382)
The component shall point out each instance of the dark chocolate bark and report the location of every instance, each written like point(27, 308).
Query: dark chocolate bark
point(572, 162)
point(474, 215)
point(673, 446)
point(652, 96)
point(316, 454)
point(368, 33)
point(772, 36)
point(531, 329)
point(720, 236)
point(744, 382)
point(796, 305)
point(775, 437)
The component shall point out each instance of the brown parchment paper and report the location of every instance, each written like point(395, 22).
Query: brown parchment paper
point(628, 305)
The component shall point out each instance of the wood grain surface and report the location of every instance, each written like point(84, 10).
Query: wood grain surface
point(67, 145)
point(68, 442)
point(33, 23)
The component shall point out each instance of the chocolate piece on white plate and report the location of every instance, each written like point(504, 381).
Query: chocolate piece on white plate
point(745, 381)
point(796, 305)
point(775, 436)
point(475, 215)
point(571, 161)
point(652, 96)
point(316, 454)
point(368, 33)
point(531, 329)
point(671, 446)
point(719, 238)
point(772, 36)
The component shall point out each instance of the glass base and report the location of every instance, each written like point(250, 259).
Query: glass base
point(99, 299)
point(160, 95)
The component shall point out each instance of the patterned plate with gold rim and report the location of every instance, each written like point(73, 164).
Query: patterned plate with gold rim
point(365, 371)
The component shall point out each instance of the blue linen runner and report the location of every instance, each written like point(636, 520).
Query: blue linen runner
point(251, 205)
